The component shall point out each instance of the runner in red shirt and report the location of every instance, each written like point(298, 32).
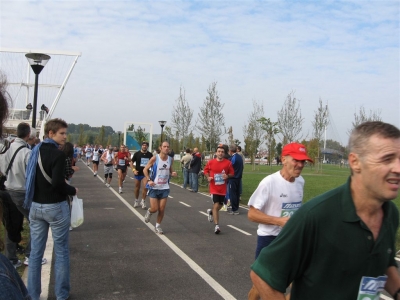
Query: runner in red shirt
point(217, 171)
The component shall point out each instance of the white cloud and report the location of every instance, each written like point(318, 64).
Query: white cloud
point(136, 55)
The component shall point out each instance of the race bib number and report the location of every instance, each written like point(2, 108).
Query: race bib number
point(143, 161)
point(121, 162)
point(370, 287)
point(162, 179)
point(288, 209)
point(218, 179)
point(95, 156)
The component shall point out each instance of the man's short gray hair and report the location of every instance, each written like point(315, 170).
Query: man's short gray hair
point(359, 137)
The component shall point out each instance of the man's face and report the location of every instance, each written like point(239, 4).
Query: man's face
point(195, 150)
point(60, 137)
point(220, 153)
point(165, 148)
point(379, 168)
point(292, 167)
point(144, 147)
point(122, 148)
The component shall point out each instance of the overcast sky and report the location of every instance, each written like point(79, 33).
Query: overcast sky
point(137, 54)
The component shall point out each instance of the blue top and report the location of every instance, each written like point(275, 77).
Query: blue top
point(237, 163)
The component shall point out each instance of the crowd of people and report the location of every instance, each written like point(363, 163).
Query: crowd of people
point(339, 245)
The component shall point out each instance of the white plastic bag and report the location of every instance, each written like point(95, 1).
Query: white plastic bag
point(76, 212)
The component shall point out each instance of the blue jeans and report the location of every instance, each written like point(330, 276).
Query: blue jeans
point(195, 181)
point(57, 216)
point(185, 178)
point(234, 194)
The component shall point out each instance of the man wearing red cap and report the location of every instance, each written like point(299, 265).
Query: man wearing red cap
point(277, 198)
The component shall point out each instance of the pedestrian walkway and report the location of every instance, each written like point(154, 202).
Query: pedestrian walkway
point(116, 255)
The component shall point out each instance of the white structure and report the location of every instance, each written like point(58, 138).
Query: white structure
point(21, 84)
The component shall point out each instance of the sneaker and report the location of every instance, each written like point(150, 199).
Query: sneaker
point(236, 212)
point(105, 182)
point(26, 262)
point(107, 185)
point(17, 264)
point(95, 174)
point(210, 217)
point(136, 204)
point(217, 230)
point(147, 216)
point(120, 190)
point(230, 212)
point(70, 228)
point(223, 208)
point(159, 230)
point(143, 204)
point(123, 181)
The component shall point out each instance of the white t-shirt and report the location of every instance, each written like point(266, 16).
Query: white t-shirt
point(277, 197)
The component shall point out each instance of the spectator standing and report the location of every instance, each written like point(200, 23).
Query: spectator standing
point(46, 197)
point(234, 181)
point(185, 162)
point(239, 152)
point(194, 169)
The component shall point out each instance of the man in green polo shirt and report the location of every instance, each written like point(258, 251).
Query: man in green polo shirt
point(341, 245)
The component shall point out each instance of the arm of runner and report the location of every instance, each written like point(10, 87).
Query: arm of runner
point(257, 216)
point(171, 169)
point(146, 170)
point(392, 285)
point(266, 292)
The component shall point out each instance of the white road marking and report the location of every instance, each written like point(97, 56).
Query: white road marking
point(202, 212)
point(396, 258)
point(240, 230)
point(184, 204)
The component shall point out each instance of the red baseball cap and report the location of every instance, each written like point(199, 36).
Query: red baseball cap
point(297, 151)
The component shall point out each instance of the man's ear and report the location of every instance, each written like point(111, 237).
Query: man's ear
point(354, 162)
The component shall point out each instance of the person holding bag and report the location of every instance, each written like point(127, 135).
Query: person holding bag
point(46, 197)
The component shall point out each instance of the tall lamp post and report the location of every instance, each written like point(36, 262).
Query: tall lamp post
point(37, 62)
point(162, 124)
point(119, 137)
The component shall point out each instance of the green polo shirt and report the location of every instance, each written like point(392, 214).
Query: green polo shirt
point(325, 249)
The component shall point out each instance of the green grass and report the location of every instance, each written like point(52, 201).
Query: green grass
point(331, 176)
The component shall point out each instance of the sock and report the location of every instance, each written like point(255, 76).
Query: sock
point(157, 225)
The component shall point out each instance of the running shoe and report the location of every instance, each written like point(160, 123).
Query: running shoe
point(210, 217)
point(143, 204)
point(236, 212)
point(95, 174)
point(217, 230)
point(17, 264)
point(147, 216)
point(223, 208)
point(120, 190)
point(136, 204)
point(230, 212)
point(107, 185)
point(159, 230)
point(26, 262)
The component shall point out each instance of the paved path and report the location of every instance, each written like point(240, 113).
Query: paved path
point(116, 255)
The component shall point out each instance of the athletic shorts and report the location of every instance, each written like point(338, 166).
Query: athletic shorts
point(263, 241)
point(218, 199)
point(158, 194)
point(138, 177)
point(95, 162)
point(108, 169)
point(122, 168)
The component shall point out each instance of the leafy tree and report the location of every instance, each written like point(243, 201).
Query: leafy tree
point(361, 117)
point(211, 119)
point(236, 142)
point(319, 123)
point(290, 121)
point(253, 132)
point(100, 137)
point(230, 140)
point(278, 149)
point(82, 138)
point(182, 116)
point(271, 129)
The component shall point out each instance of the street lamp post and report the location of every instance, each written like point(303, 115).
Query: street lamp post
point(162, 124)
point(37, 62)
point(119, 137)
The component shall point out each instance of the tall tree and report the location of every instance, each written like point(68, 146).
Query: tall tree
point(361, 117)
point(182, 116)
point(82, 137)
point(270, 129)
point(253, 132)
point(230, 139)
point(319, 124)
point(290, 121)
point(211, 118)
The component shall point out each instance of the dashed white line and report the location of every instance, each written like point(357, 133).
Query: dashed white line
point(185, 204)
point(240, 230)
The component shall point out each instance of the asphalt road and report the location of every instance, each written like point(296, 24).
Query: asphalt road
point(116, 255)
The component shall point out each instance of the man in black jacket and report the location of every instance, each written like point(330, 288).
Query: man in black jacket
point(194, 169)
point(46, 172)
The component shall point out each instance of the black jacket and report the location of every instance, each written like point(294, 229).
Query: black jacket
point(12, 218)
